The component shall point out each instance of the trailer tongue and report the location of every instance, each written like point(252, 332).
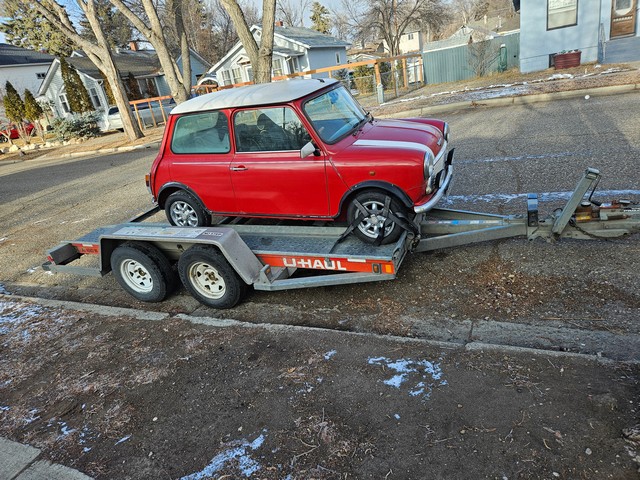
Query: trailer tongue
point(216, 264)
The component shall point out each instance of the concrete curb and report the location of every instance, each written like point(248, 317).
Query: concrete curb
point(20, 462)
point(475, 346)
point(105, 151)
point(518, 100)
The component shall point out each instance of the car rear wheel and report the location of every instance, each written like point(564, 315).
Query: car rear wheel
point(183, 210)
point(374, 226)
point(209, 278)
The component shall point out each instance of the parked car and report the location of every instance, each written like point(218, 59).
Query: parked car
point(300, 149)
point(12, 131)
point(111, 119)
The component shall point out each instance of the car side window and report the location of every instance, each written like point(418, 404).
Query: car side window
point(201, 133)
point(269, 130)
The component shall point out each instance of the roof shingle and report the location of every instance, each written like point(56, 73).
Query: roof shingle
point(12, 55)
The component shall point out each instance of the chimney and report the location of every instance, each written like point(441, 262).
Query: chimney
point(279, 23)
point(133, 46)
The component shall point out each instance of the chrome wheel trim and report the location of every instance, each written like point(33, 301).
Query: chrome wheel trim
point(137, 277)
point(206, 280)
point(371, 225)
point(183, 214)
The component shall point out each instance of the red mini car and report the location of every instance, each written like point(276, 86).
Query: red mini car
point(300, 149)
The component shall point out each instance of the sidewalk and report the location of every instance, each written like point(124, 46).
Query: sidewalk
point(21, 462)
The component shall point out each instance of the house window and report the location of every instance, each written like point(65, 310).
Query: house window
point(410, 36)
point(41, 76)
point(561, 13)
point(95, 99)
point(277, 67)
point(291, 64)
point(237, 75)
point(337, 58)
point(250, 74)
point(64, 103)
point(226, 78)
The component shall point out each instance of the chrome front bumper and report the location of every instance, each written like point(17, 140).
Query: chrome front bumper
point(444, 187)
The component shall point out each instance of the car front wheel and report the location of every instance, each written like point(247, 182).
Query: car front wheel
point(183, 210)
point(374, 225)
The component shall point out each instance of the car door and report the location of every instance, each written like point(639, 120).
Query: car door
point(269, 176)
point(201, 155)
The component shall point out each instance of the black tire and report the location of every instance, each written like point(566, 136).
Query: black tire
point(143, 271)
point(368, 229)
point(184, 210)
point(209, 278)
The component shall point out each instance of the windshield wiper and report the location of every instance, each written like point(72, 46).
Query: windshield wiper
point(367, 118)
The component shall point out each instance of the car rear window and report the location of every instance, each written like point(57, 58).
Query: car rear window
point(201, 133)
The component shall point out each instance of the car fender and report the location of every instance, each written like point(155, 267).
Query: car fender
point(171, 187)
point(377, 185)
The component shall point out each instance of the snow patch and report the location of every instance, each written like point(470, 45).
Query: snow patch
point(3, 290)
point(428, 374)
point(545, 196)
point(328, 355)
point(122, 440)
point(240, 451)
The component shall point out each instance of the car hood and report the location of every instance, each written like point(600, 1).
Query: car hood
point(399, 134)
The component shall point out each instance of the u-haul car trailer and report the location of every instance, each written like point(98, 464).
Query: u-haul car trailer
point(216, 264)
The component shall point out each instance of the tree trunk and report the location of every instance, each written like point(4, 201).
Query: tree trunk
point(260, 57)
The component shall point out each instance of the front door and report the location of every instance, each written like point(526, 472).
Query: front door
point(269, 178)
point(623, 18)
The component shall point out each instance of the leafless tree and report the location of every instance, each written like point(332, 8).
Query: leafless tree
point(481, 56)
point(292, 12)
point(389, 19)
point(259, 55)
point(98, 52)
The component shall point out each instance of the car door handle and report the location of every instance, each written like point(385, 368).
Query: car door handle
point(239, 168)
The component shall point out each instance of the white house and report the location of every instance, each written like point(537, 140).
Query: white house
point(25, 69)
point(295, 49)
point(552, 26)
point(143, 65)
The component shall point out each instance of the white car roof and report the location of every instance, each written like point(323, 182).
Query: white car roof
point(254, 95)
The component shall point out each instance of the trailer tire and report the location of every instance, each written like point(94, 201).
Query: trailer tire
point(209, 278)
point(143, 271)
point(184, 210)
point(369, 228)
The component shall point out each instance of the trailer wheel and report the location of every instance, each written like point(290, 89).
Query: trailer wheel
point(209, 278)
point(183, 210)
point(143, 271)
point(370, 228)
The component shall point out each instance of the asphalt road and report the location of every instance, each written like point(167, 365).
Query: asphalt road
point(501, 153)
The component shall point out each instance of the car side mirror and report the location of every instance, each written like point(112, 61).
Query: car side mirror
point(308, 149)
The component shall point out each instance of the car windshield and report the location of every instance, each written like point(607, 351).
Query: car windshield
point(334, 114)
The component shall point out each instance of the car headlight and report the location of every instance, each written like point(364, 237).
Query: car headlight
point(445, 132)
point(429, 162)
